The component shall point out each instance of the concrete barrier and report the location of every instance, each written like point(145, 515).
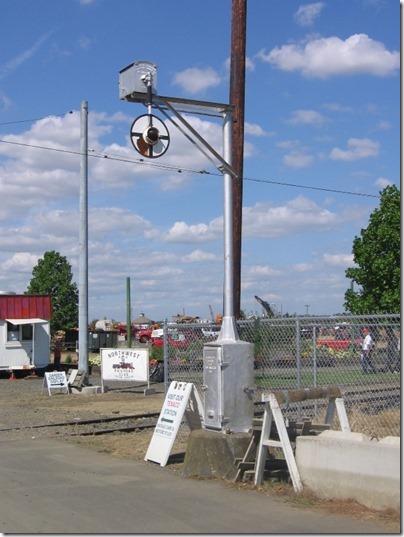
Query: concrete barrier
point(346, 465)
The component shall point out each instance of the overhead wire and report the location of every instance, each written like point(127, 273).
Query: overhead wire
point(37, 118)
point(179, 169)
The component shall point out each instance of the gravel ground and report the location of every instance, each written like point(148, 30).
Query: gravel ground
point(25, 404)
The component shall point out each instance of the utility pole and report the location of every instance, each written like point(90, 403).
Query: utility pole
point(83, 242)
point(237, 98)
point(128, 315)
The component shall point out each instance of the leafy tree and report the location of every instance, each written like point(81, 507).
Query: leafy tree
point(53, 276)
point(377, 254)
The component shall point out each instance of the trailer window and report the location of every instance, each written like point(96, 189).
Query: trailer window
point(19, 332)
point(26, 332)
point(13, 332)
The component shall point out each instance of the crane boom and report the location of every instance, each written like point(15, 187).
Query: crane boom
point(266, 306)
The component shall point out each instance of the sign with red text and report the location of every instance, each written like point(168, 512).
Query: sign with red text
point(169, 422)
point(125, 364)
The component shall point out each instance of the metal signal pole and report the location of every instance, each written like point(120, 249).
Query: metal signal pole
point(83, 243)
point(237, 98)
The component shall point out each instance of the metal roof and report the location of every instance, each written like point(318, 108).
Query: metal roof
point(25, 307)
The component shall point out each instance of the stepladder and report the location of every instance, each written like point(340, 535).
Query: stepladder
point(273, 413)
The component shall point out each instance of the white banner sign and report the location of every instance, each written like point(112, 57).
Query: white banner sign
point(169, 422)
point(125, 364)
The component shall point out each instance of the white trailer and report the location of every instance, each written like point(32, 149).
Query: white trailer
point(24, 332)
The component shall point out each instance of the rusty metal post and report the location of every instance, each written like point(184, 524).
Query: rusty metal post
point(237, 98)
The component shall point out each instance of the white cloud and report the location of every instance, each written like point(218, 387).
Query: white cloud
point(306, 117)
point(20, 262)
point(194, 80)
point(384, 125)
point(338, 260)
point(297, 216)
point(5, 101)
point(263, 270)
point(302, 267)
point(358, 148)
point(183, 232)
point(382, 182)
point(331, 56)
point(197, 256)
point(297, 155)
point(298, 159)
point(254, 130)
point(84, 43)
point(13, 64)
point(337, 107)
point(306, 15)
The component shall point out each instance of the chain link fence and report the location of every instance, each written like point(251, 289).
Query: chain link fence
point(304, 352)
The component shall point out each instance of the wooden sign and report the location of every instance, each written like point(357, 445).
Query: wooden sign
point(170, 418)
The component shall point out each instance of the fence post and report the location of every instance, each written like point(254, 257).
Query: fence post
point(315, 363)
point(165, 356)
point(298, 365)
point(298, 357)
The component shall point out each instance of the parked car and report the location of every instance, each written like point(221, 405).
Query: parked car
point(143, 335)
point(212, 332)
point(344, 337)
point(180, 343)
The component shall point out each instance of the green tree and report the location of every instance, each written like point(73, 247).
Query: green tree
point(53, 276)
point(377, 255)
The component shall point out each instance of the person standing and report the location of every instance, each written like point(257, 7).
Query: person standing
point(367, 348)
point(57, 353)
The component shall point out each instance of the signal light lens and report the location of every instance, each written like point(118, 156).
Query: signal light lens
point(151, 135)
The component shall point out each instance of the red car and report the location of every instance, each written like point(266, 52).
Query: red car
point(339, 344)
point(177, 343)
point(143, 335)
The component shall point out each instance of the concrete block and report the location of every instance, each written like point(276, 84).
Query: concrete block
point(212, 454)
point(350, 466)
point(86, 390)
point(394, 440)
point(345, 435)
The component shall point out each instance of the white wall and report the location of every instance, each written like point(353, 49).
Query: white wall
point(346, 465)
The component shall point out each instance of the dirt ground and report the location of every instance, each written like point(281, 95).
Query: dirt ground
point(25, 402)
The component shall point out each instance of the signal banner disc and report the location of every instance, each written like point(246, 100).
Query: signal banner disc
point(142, 141)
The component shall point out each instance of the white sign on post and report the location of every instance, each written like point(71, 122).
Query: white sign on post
point(125, 364)
point(169, 422)
point(56, 380)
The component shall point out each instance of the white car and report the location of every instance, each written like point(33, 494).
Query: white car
point(211, 332)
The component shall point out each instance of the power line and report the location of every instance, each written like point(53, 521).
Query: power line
point(37, 118)
point(179, 169)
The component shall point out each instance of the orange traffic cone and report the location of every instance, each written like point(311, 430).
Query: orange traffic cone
point(12, 376)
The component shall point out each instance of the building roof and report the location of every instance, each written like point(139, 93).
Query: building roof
point(25, 307)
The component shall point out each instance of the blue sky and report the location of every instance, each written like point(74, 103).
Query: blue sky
point(322, 139)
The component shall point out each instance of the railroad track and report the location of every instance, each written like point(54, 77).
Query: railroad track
point(370, 400)
point(78, 427)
